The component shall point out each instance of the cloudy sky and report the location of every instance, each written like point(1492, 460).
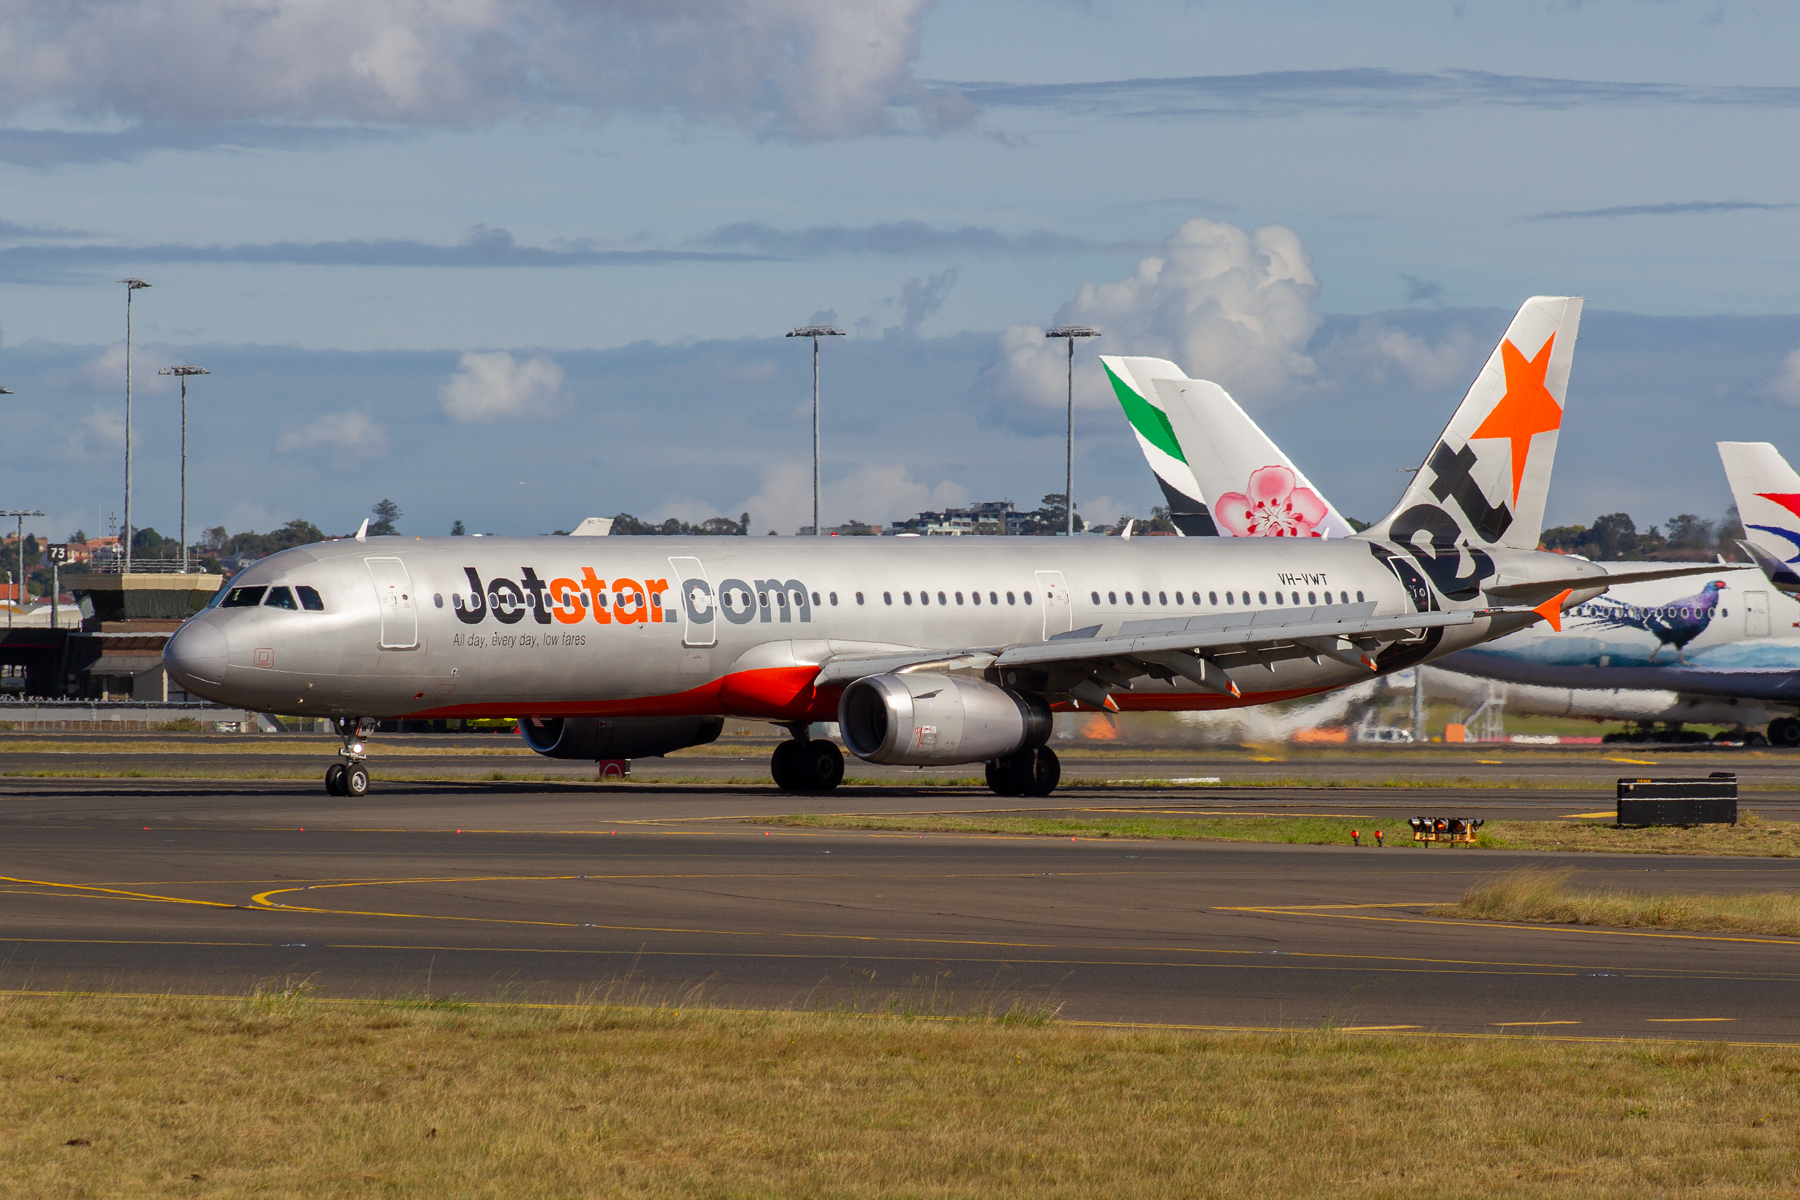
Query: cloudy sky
point(516, 262)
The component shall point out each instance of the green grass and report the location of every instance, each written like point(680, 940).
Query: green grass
point(1291, 830)
point(1750, 837)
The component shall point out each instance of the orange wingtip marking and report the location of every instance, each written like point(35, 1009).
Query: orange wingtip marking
point(1551, 609)
point(1369, 663)
point(1110, 704)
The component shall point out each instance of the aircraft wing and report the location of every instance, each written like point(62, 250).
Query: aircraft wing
point(1542, 588)
point(1198, 649)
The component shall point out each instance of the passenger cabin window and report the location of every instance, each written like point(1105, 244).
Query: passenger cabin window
point(1112, 597)
point(1212, 597)
point(1162, 597)
point(993, 598)
point(280, 597)
point(941, 598)
point(887, 597)
point(1359, 598)
point(1096, 597)
point(309, 599)
point(859, 597)
point(1027, 596)
point(975, 596)
point(1009, 598)
point(1261, 598)
point(832, 597)
point(244, 597)
point(1313, 599)
point(1278, 597)
point(1146, 597)
point(906, 596)
point(1130, 598)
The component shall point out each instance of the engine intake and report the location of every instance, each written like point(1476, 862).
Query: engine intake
point(617, 737)
point(917, 720)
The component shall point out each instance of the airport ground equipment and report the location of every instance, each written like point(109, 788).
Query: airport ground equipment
point(1455, 831)
point(1712, 800)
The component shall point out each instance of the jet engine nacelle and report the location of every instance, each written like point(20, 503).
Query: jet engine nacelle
point(616, 737)
point(916, 720)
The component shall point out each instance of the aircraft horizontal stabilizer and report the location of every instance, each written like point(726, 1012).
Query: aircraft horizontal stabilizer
point(1777, 572)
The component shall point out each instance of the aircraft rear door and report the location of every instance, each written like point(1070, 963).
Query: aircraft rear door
point(699, 626)
point(1059, 613)
point(393, 592)
point(1756, 614)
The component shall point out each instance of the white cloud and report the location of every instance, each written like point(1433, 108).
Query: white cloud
point(1786, 384)
point(1378, 349)
point(812, 67)
point(1224, 305)
point(487, 387)
point(873, 492)
point(350, 433)
point(106, 371)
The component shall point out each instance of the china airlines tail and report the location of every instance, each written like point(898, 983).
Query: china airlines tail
point(1767, 492)
point(1130, 379)
point(1255, 489)
point(1486, 480)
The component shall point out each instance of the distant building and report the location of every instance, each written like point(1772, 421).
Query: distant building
point(988, 517)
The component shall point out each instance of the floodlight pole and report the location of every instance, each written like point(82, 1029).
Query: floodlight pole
point(815, 332)
point(1071, 332)
point(19, 514)
point(131, 285)
point(184, 372)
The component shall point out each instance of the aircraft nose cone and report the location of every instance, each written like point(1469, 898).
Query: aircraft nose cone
point(196, 652)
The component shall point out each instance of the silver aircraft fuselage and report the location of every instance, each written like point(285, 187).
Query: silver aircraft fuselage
point(623, 626)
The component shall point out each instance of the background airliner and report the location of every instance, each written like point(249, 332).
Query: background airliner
point(1722, 649)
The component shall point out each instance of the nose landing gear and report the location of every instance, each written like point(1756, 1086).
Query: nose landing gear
point(350, 777)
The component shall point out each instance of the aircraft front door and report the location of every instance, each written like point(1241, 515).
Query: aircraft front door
point(1756, 614)
point(699, 621)
point(1059, 613)
point(393, 592)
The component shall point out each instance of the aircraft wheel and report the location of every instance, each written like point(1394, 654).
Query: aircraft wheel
point(1034, 772)
point(785, 768)
point(1754, 738)
point(356, 781)
point(999, 777)
point(334, 780)
point(821, 765)
point(1784, 731)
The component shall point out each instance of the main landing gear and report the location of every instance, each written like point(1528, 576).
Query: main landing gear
point(806, 764)
point(1033, 772)
point(350, 777)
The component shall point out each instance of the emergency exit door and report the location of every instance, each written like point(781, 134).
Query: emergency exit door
point(1756, 614)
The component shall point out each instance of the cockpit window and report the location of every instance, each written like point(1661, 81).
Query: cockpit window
point(244, 597)
point(309, 599)
point(280, 597)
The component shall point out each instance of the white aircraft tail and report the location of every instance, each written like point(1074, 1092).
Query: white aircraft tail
point(1131, 382)
point(1767, 492)
point(1486, 479)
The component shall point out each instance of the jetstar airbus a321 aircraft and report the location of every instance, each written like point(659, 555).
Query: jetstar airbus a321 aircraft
point(925, 651)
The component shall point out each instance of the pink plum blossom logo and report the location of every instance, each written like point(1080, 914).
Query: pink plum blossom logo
point(1273, 507)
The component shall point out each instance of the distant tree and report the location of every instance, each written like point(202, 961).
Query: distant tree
point(213, 539)
point(457, 530)
point(1050, 517)
point(147, 543)
point(1730, 531)
point(386, 512)
point(744, 525)
point(629, 526)
point(80, 535)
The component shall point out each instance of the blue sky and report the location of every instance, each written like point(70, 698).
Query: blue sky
point(350, 211)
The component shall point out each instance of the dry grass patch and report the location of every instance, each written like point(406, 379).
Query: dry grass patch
point(119, 1098)
point(1313, 831)
point(1545, 897)
point(1751, 836)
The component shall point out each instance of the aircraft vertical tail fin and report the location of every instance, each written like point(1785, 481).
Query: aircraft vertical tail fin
point(1131, 380)
point(1767, 492)
point(1255, 489)
point(1488, 476)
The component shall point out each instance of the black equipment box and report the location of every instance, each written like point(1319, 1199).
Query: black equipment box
point(1709, 801)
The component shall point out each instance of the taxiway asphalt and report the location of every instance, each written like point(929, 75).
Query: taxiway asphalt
point(555, 893)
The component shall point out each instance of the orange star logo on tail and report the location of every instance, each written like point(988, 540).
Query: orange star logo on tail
point(1526, 410)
